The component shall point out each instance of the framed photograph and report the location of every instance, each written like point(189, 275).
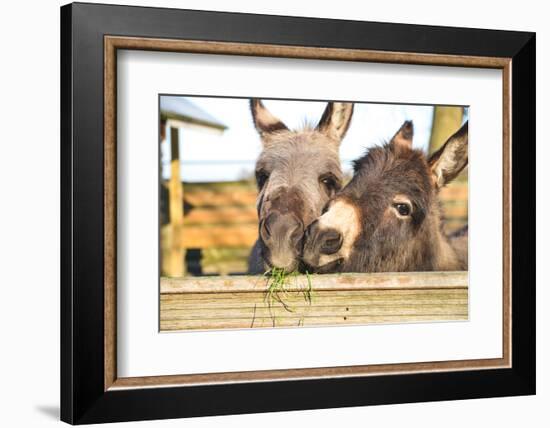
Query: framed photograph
point(265, 213)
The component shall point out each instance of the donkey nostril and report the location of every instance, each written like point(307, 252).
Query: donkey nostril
point(267, 231)
point(267, 225)
point(296, 237)
point(331, 242)
point(310, 230)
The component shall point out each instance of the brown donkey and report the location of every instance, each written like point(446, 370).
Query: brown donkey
point(388, 217)
point(296, 173)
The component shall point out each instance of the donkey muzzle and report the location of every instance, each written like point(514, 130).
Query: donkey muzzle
point(321, 246)
point(282, 235)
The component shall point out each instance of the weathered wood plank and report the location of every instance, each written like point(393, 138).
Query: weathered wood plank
point(208, 236)
point(176, 300)
point(454, 191)
point(265, 311)
point(244, 302)
point(456, 211)
point(222, 198)
point(337, 282)
point(229, 216)
point(241, 323)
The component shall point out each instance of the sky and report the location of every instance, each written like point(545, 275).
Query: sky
point(213, 156)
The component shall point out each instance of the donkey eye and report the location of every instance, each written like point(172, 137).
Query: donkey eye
point(329, 182)
point(261, 178)
point(403, 209)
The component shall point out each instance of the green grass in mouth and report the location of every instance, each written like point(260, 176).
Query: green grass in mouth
point(278, 283)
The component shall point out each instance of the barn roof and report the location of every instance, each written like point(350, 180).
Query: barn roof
point(180, 108)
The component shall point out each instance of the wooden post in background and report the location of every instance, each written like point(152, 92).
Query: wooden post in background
point(446, 122)
point(173, 253)
point(454, 197)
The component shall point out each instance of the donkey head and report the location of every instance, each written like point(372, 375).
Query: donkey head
point(387, 217)
point(296, 173)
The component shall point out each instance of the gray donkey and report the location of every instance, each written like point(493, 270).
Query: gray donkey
point(297, 173)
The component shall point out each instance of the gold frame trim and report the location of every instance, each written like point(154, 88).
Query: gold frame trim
point(113, 43)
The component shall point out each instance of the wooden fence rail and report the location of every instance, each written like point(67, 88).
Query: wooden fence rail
point(242, 302)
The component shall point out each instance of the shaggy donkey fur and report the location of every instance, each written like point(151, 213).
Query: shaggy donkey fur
point(388, 218)
point(297, 172)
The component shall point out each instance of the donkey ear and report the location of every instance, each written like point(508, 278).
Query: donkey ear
point(264, 121)
point(403, 138)
point(451, 158)
point(335, 120)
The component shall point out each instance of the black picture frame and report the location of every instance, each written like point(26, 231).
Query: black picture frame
point(83, 396)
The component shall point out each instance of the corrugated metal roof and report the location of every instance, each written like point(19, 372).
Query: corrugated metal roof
point(180, 108)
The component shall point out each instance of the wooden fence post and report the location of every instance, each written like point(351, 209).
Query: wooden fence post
point(446, 121)
point(173, 255)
